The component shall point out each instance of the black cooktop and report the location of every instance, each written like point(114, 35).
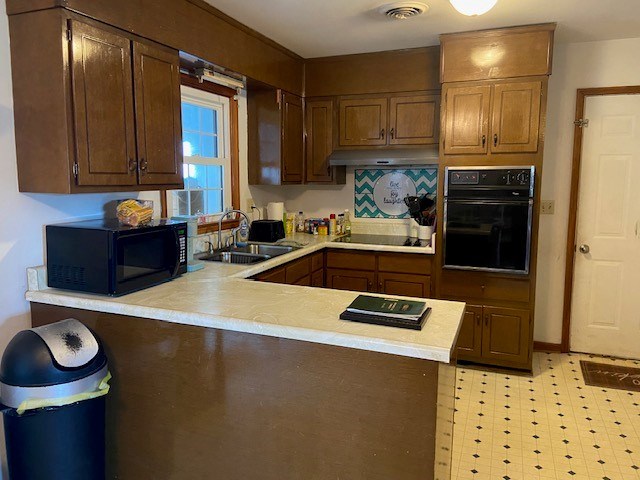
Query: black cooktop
point(393, 240)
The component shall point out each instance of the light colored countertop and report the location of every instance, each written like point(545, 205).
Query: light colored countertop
point(221, 296)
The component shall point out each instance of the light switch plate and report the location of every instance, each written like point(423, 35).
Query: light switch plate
point(547, 207)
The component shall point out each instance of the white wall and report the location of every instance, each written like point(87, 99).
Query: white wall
point(579, 65)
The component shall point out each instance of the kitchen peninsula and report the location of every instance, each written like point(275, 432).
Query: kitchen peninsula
point(235, 378)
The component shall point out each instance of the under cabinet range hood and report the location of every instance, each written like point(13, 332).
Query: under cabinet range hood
point(381, 157)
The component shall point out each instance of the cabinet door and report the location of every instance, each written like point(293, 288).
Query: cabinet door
point(297, 269)
point(158, 118)
point(276, 275)
point(292, 138)
point(103, 106)
point(470, 337)
point(414, 120)
point(466, 119)
point(317, 278)
point(363, 122)
point(505, 335)
point(515, 118)
point(356, 280)
point(304, 281)
point(319, 125)
point(404, 284)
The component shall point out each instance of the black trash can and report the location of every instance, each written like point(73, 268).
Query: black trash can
point(52, 385)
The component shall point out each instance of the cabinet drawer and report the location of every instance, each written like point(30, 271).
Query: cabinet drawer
point(404, 284)
point(404, 263)
point(478, 286)
point(351, 260)
point(317, 261)
point(297, 269)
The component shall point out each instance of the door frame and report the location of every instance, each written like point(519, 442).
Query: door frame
point(581, 98)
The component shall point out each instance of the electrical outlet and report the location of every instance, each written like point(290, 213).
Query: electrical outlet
point(547, 207)
point(249, 204)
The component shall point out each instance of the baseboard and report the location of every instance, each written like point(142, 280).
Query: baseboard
point(547, 347)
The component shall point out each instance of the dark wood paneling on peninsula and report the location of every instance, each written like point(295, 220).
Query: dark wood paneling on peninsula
point(196, 402)
point(369, 73)
point(195, 27)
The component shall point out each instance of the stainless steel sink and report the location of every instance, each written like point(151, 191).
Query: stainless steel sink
point(262, 249)
point(247, 254)
point(236, 257)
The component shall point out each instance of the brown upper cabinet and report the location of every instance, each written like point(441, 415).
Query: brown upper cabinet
point(499, 53)
point(388, 120)
point(493, 118)
point(276, 142)
point(99, 111)
point(319, 142)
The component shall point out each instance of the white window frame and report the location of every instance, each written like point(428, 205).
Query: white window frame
point(221, 105)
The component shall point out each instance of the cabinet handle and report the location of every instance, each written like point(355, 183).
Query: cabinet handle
point(478, 319)
point(484, 140)
point(486, 320)
point(392, 132)
point(382, 133)
point(132, 165)
point(495, 139)
point(143, 165)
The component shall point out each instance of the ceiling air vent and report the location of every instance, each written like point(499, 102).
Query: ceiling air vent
point(403, 10)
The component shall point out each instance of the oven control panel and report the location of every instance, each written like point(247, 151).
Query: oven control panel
point(492, 177)
point(490, 181)
point(464, 177)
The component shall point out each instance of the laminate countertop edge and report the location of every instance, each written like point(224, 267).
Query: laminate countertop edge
point(222, 297)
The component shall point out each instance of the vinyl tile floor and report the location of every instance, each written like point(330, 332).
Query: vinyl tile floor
point(548, 425)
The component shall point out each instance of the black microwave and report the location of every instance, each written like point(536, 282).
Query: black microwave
point(104, 257)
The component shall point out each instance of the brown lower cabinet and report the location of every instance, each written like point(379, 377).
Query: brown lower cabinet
point(495, 335)
point(497, 326)
point(392, 273)
point(356, 280)
point(307, 271)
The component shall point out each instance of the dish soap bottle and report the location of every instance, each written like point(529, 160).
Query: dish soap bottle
point(347, 223)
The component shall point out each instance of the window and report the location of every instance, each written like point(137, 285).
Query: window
point(206, 150)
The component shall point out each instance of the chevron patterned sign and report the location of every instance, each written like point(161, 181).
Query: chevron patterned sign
point(379, 193)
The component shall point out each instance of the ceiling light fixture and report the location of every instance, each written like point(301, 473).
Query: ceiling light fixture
point(403, 10)
point(473, 8)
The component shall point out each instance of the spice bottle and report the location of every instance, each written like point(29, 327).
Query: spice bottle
point(333, 224)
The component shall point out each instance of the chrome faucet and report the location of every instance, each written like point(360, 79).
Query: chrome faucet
point(225, 215)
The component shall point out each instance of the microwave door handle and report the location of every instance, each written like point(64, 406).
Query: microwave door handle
point(177, 245)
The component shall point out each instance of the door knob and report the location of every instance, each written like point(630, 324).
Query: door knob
point(584, 248)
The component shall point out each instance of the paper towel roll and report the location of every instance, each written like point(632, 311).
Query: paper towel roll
point(275, 210)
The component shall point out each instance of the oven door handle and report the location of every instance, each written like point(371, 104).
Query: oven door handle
point(467, 201)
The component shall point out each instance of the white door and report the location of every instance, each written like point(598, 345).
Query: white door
point(605, 309)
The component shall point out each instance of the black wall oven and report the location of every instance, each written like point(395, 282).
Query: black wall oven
point(488, 214)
